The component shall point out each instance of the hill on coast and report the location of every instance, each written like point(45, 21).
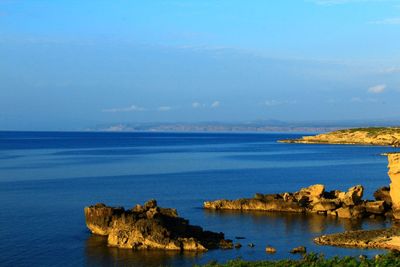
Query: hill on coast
point(379, 136)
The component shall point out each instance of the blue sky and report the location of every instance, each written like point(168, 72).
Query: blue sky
point(74, 64)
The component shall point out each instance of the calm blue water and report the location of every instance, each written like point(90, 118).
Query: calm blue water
point(47, 178)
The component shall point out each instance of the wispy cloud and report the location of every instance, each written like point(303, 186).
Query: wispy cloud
point(329, 2)
point(391, 70)
point(271, 103)
point(387, 21)
point(164, 108)
point(196, 105)
point(215, 104)
point(377, 89)
point(339, 2)
point(131, 108)
point(363, 100)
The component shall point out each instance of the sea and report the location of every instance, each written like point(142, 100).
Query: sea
point(47, 178)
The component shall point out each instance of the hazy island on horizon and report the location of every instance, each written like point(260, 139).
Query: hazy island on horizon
point(273, 126)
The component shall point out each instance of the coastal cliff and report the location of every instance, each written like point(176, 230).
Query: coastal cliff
point(150, 227)
point(384, 136)
point(388, 238)
point(394, 174)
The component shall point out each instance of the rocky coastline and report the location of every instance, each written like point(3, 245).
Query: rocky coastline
point(150, 227)
point(388, 238)
point(384, 136)
point(314, 199)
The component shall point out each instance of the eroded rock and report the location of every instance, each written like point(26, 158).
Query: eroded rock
point(150, 227)
point(383, 193)
point(255, 204)
point(394, 174)
point(353, 196)
point(312, 193)
point(312, 199)
point(375, 207)
point(383, 238)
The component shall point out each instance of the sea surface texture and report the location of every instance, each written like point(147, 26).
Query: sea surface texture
point(46, 179)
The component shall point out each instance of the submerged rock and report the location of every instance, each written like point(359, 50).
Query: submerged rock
point(300, 249)
point(270, 250)
point(150, 227)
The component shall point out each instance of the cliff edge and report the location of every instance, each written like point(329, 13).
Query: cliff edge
point(388, 238)
point(377, 136)
point(394, 174)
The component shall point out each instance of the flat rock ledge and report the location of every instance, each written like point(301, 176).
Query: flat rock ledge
point(314, 199)
point(383, 238)
point(150, 227)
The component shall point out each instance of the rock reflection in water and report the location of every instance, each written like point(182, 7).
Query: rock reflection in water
point(286, 230)
point(313, 223)
point(99, 254)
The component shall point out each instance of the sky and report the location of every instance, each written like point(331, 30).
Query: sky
point(73, 64)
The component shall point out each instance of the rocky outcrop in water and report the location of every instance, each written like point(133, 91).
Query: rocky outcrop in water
point(313, 199)
point(150, 227)
point(383, 238)
point(377, 136)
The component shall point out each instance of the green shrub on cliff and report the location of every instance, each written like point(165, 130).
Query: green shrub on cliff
point(318, 260)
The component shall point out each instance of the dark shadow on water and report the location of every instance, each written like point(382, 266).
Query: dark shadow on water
point(99, 254)
point(314, 223)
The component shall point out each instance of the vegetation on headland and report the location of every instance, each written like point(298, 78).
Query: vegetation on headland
point(379, 136)
point(372, 130)
point(318, 260)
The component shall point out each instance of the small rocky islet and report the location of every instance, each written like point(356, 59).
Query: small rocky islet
point(150, 227)
point(313, 199)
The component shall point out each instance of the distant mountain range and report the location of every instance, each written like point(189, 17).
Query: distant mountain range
point(256, 126)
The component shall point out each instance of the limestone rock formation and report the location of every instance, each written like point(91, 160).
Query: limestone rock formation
point(394, 174)
point(150, 227)
point(383, 193)
point(312, 199)
point(386, 198)
point(384, 136)
point(383, 238)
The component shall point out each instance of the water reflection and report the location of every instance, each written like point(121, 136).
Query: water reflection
point(281, 230)
point(99, 254)
point(314, 223)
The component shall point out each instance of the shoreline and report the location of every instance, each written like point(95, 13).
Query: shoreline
point(389, 136)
